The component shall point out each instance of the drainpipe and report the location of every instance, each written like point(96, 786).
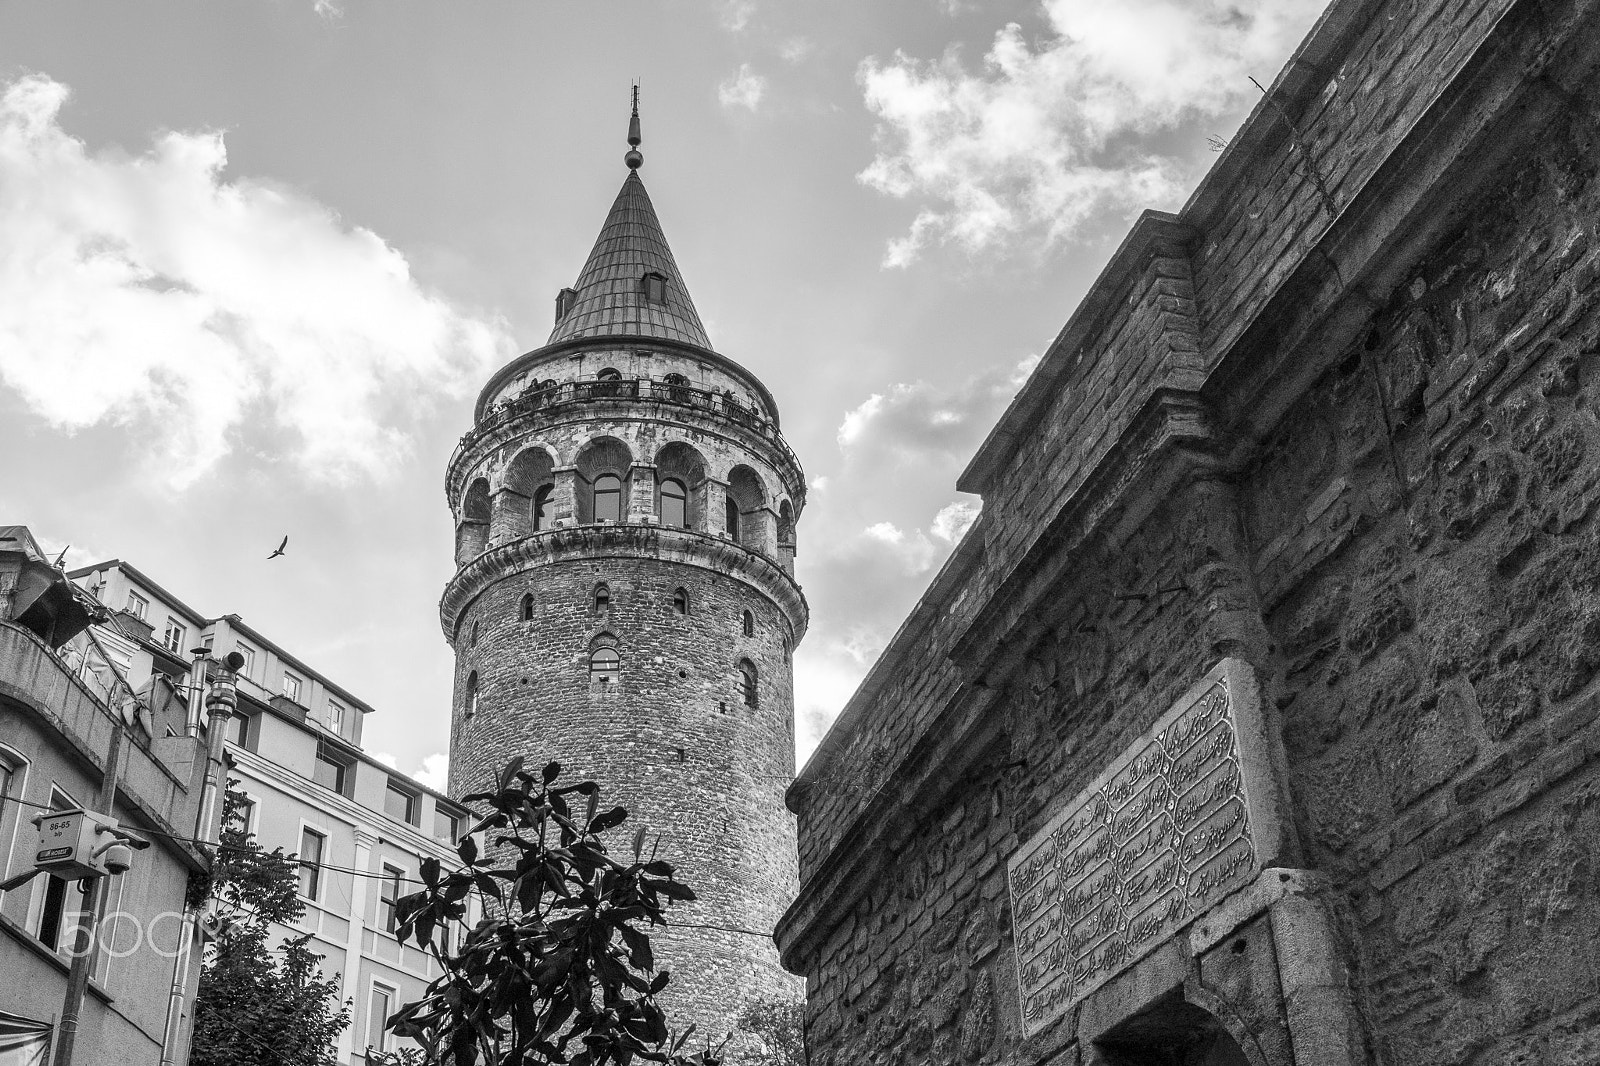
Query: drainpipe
point(220, 703)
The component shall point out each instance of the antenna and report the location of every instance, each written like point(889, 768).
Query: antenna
point(634, 158)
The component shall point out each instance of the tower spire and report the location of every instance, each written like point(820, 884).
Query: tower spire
point(634, 158)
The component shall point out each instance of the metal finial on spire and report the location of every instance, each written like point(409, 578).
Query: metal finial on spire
point(634, 158)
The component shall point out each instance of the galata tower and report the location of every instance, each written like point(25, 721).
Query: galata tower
point(624, 598)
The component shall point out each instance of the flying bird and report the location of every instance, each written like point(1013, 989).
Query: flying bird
point(281, 545)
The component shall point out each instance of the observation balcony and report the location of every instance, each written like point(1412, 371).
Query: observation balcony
point(719, 406)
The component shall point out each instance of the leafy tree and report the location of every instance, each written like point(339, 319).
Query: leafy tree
point(769, 1033)
point(558, 970)
point(257, 1005)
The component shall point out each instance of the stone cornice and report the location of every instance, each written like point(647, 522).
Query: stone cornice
point(624, 541)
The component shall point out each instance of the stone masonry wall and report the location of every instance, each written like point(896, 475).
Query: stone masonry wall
point(672, 740)
point(1409, 557)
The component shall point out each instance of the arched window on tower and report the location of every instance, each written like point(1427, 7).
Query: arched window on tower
point(470, 704)
point(525, 611)
point(749, 683)
point(605, 665)
point(680, 601)
point(608, 498)
point(731, 517)
point(674, 503)
point(541, 507)
point(749, 624)
point(602, 597)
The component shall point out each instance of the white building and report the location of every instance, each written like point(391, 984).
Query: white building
point(360, 828)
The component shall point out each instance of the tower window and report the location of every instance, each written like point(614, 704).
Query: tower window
point(471, 702)
point(604, 663)
point(731, 515)
point(602, 596)
point(674, 503)
point(472, 641)
point(525, 612)
point(749, 624)
point(541, 507)
point(749, 688)
point(680, 601)
point(609, 373)
point(608, 498)
point(654, 287)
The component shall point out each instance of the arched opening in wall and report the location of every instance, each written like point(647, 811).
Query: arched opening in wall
point(527, 489)
point(541, 507)
point(469, 702)
point(525, 609)
point(678, 390)
point(748, 624)
point(1172, 1033)
point(602, 597)
point(786, 534)
point(602, 468)
point(749, 683)
point(680, 486)
point(472, 532)
point(472, 641)
point(747, 497)
point(605, 665)
point(680, 601)
point(674, 503)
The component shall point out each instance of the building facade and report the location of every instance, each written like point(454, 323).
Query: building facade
point(1256, 719)
point(294, 750)
point(63, 699)
point(624, 603)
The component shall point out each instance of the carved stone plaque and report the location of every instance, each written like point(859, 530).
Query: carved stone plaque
point(1181, 818)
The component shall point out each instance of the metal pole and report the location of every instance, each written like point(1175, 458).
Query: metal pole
point(86, 949)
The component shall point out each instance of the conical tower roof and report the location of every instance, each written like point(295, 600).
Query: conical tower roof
point(612, 298)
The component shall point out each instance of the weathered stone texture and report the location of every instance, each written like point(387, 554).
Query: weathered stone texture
point(1358, 452)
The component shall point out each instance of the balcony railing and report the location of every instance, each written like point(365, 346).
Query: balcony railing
point(722, 405)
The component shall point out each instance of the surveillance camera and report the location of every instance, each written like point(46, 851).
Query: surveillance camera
point(118, 858)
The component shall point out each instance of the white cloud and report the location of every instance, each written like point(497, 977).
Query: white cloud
point(918, 422)
point(203, 315)
point(736, 14)
point(329, 9)
point(954, 519)
point(435, 772)
point(743, 88)
point(794, 50)
point(1047, 134)
point(388, 760)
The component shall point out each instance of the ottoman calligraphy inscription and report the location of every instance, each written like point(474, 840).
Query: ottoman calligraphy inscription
point(1169, 828)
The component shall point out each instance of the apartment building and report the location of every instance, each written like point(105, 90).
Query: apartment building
point(68, 714)
point(361, 828)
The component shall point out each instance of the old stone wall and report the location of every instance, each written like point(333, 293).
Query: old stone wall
point(1391, 518)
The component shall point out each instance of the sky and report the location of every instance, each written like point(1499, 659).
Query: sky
point(258, 256)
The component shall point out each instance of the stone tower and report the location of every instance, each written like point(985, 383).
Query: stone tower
point(624, 598)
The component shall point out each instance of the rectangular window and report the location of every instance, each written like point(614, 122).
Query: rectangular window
point(444, 825)
point(388, 892)
point(377, 1015)
point(399, 804)
point(335, 717)
point(174, 636)
point(249, 667)
point(311, 849)
point(239, 730)
point(291, 686)
point(330, 772)
point(53, 915)
point(137, 605)
point(239, 817)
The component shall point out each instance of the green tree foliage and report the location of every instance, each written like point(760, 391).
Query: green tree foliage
point(559, 969)
point(259, 1005)
point(769, 1033)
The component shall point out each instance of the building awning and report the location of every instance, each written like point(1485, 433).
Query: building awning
point(23, 1041)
